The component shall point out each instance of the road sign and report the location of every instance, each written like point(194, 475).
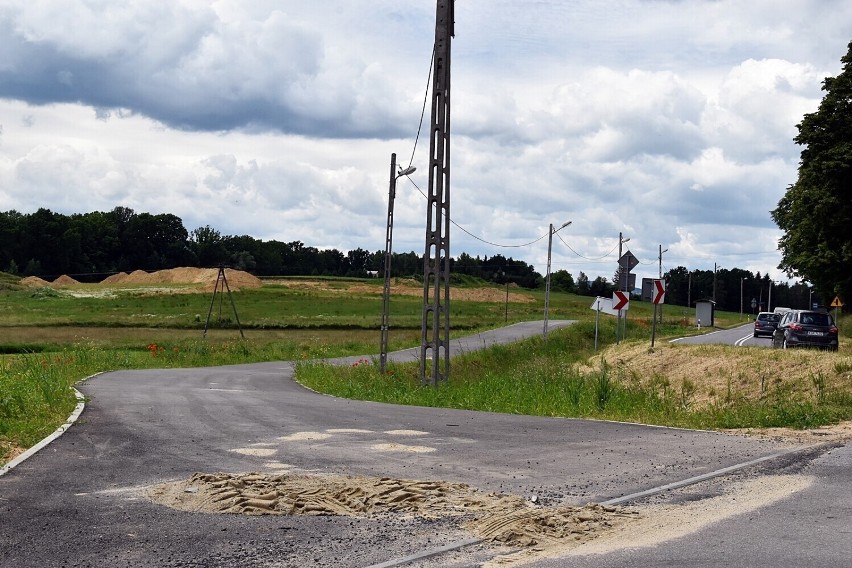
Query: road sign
point(604, 305)
point(837, 303)
point(627, 261)
point(659, 291)
point(620, 300)
point(626, 281)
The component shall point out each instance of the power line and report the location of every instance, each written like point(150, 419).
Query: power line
point(593, 259)
point(423, 110)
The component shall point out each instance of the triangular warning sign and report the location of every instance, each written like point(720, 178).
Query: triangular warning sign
point(837, 303)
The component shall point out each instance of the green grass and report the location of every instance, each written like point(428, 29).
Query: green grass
point(269, 307)
point(35, 397)
point(542, 379)
point(52, 339)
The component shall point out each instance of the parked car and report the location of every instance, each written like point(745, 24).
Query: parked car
point(765, 323)
point(806, 328)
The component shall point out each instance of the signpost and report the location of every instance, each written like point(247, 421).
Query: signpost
point(659, 298)
point(836, 304)
point(620, 302)
point(626, 283)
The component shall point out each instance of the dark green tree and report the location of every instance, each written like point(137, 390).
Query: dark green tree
point(208, 246)
point(816, 212)
point(563, 281)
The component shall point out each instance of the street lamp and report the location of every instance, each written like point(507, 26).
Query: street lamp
point(394, 175)
point(769, 298)
point(550, 234)
point(741, 295)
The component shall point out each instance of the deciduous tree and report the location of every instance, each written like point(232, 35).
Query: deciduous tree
point(816, 212)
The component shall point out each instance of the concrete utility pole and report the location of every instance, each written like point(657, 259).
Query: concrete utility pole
point(435, 329)
point(383, 352)
point(661, 277)
point(550, 234)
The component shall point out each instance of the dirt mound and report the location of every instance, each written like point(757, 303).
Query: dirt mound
point(64, 280)
point(34, 282)
point(237, 279)
point(115, 278)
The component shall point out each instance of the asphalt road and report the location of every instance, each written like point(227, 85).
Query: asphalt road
point(742, 336)
point(79, 501)
point(810, 528)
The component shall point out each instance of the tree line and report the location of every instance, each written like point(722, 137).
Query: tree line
point(91, 246)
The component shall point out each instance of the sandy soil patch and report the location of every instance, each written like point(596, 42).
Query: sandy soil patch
point(841, 432)
point(662, 523)
point(534, 531)
point(493, 517)
point(403, 287)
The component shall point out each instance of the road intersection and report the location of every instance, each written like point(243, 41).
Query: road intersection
point(81, 500)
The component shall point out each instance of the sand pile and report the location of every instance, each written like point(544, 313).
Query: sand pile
point(115, 278)
point(64, 280)
point(34, 282)
point(237, 279)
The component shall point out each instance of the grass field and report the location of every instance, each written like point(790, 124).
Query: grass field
point(52, 338)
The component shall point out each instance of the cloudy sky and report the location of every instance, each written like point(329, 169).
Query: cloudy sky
point(671, 121)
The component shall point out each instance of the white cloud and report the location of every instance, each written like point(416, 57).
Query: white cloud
point(669, 121)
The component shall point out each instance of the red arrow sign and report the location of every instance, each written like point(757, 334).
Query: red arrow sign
point(659, 291)
point(620, 300)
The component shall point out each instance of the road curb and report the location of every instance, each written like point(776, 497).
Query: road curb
point(78, 410)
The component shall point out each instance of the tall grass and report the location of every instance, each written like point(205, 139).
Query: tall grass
point(542, 378)
point(35, 393)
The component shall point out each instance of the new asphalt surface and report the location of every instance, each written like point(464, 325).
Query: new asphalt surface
point(80, 501)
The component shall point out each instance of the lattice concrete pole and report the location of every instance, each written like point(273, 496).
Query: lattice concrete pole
point(383, 353)
point(435, 330)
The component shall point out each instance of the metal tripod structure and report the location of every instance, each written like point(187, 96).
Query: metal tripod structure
point(435, 329)
point(221, 278)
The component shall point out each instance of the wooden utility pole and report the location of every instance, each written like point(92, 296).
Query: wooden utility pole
point(435, 330)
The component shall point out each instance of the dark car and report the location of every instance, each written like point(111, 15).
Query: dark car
point(806, 328)
point(765, 323)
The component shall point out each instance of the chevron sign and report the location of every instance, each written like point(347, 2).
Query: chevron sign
point(620, 300)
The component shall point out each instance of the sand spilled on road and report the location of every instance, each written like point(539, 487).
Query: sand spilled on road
point(662, 523)
point(504, 519)
point(531, 531)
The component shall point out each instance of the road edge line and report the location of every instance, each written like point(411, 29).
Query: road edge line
point(704, 476)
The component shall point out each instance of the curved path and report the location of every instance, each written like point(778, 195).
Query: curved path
point(79, 502)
